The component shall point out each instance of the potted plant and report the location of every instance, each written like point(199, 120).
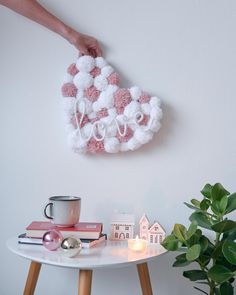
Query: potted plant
point(215, 257)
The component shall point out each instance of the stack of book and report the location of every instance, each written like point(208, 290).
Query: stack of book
point(90, 233)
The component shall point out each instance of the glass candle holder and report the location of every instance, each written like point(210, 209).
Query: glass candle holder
point(137, 244)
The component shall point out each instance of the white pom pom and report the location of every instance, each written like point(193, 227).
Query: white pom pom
point(87, 131)
point(111, 145)
point(124, 147)
point(83, 80)
point(85, 106)
point(106, 99)
point(81, 147)
point(156, 113)
point(143, 136)
point(96, 106)
point(112, 112)
point(107, 70)
point(146, 108)
point(92, 115)
point(133, 144)
point(68, 78)
point(85, 63)
point(135, 92)
point(155, 125)
point(100, 82)
point(121, 119)
point(68, 105)
point(131, 109)
point(111, 130)
point(112, 88)
point(80, 94)
point(100, 62)
point(155, 101)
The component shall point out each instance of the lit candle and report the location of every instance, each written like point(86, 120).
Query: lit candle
point(137, 244)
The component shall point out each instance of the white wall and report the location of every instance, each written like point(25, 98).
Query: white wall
point(182, 51)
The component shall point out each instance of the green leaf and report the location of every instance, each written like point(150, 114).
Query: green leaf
point(195, 203)
point(194, 238)
point(180, 232)
point(195, 275)
point(191, 206)
point(223, 204)
point(206, 191)
point(219, 274)
point(203, 241)
point(204, 260)
point(201, 219)
point(192, 229)
point(231, 206)
point(224, 226)
point(205, 204)
point(171, 243)
point(229, 251)
point(218, 192)
point(181, 261)
point(226, 289)
point(230, 235)
point(193, 252)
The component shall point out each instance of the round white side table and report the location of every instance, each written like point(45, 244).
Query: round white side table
point(109, 254)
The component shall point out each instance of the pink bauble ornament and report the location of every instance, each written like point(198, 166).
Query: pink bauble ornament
point(52, 240)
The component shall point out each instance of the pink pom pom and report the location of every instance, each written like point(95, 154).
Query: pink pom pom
point(94, 120)
point(145, 120)
point(72, 70)
point(129, 133)
point(83, 123)
point(95, 146)
point(69, 90)
point(92, 93)
point(144, 98)
point(120, 110)
point(95, 72)
point(114, 79)
point(122, 98)
point(102, 113)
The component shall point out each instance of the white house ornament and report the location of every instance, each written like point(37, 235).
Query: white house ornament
point(100, 115)
point(153, 233)
point(122, 226)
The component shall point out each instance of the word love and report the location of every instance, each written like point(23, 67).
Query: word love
point(101, 116)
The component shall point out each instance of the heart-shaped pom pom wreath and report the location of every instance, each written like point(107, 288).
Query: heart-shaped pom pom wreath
point(100, 115)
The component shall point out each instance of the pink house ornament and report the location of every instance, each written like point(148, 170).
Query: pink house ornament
point(122, 226)
point(154, 233)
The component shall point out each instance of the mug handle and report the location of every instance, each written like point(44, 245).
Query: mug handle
point(45, 211)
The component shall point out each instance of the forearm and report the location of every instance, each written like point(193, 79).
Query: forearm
point(34, 11)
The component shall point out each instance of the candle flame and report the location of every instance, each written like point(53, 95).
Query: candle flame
point(137, 238)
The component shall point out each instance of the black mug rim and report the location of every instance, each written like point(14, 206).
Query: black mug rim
point(64, 198)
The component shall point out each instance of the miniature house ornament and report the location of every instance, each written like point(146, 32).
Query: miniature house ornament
point(100, 115)
point(154, 233)
point(122, 226)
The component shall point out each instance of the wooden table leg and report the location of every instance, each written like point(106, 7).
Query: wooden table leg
point(144, 278)
point(85, 282)
point(32, 278)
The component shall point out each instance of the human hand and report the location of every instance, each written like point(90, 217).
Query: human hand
point(87, 45)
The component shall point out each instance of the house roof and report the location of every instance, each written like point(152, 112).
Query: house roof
point(161, 229)
point(123, 218)
point(144, 218)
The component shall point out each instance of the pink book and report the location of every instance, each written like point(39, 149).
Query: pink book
point(82, 230)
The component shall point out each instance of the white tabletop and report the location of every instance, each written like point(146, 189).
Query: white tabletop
point(109, 254)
